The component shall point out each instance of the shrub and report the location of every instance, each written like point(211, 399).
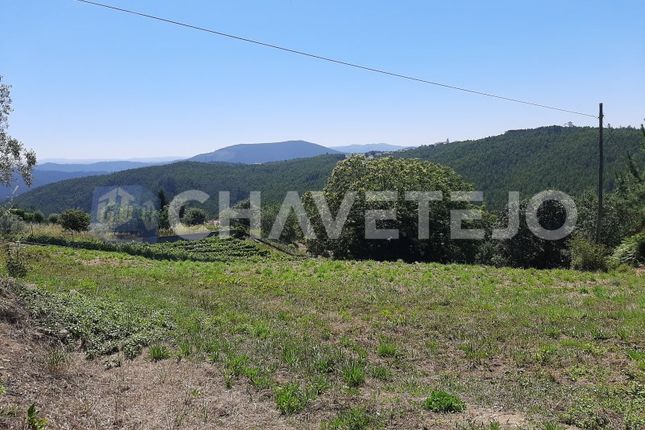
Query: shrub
point(440, 401)
point(631, 251)
point(10, 223)
point(53, 218)
point(290, 399)
point(587, 255)
point(527, 250)
point(38, 217)
point(16, 264)
point(194, 216)
point(75, 220)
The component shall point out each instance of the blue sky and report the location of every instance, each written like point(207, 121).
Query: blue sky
point(90, 83)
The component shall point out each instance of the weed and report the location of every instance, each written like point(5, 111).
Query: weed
point(356, 418)
point(34, 421)
point(290, 399)
point(440, 401)
point(387, 349)
point(354, 374)
point(56, 360)
point(381, 373)
point(15, 261)
point(158, 352)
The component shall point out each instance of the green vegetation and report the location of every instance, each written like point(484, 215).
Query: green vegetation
point(75, 220)
point(360, 174)
point(34, 421)
point(15, 157)
point(194, 216)
point(158, 352)
point(209, 249)
point(370, 336)
point(290, 399)
point(351, 419)
point(273, 179)
point(104, 326)
point(440, 401)
point(530, 161)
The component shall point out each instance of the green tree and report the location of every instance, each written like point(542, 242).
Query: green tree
point(360, 174)
point(14, 157)
point(75, 220)
point(194, 216)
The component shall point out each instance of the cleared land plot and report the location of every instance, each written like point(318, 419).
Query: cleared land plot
point(353, 345)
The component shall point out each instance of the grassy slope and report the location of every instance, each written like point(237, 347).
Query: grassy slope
point(547, 345)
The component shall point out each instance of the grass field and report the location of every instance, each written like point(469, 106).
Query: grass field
point(358, 345)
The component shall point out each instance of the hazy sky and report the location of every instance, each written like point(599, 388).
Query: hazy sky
point(90, 83)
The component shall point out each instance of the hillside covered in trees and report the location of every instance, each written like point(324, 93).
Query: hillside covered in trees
point(270, 178)
point(529, 161)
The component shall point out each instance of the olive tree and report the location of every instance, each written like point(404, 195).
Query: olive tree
point(14, 157)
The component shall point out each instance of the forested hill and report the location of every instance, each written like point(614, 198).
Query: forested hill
point(529, 161)
point(273, 179)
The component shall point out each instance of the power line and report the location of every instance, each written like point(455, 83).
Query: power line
point(329, 59)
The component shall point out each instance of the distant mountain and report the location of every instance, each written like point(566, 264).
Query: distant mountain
point(528, 161)
point(40, 178)
point(362, 149)
point(273, 179)
point(254, 153)
point(100, 166)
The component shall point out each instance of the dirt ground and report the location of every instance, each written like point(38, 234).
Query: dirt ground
point(140, 394)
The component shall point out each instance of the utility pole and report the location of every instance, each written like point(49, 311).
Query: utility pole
point(600, 173)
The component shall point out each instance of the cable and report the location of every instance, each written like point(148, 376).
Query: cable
point(328, 59)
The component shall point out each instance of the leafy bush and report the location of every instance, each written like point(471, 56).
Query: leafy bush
point(10, 223)
point(587, 255)
point(631, 251)
point(16, 263)
point(75, 220)
point(53, 218)
point(38, 217)
point(194, 216)
point(440, 401)
point(527, 250)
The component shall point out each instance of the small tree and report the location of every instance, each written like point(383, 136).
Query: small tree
point(14, 157)
point(38, 217)
point(194, 216)
point(75, 220)
point(53, 218)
